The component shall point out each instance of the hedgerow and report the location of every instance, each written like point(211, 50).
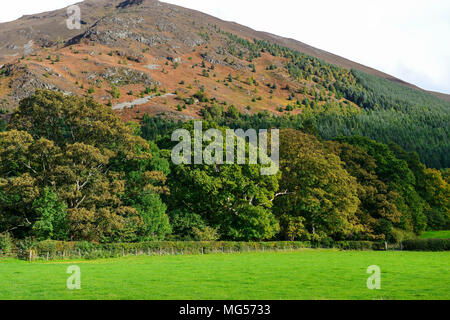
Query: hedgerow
point(426, 245)
point(56, 250)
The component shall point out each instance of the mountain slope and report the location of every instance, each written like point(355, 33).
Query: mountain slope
point(147, 57)
point(48, 29)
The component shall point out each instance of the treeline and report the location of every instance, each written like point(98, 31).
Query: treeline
point(398, 199)
point(380, 125)
point(72, 170)
point(391, 113)
point(416, 120)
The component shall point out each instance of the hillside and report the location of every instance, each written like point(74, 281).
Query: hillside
point(148, 57)
point(48, 29)
point(89, 158)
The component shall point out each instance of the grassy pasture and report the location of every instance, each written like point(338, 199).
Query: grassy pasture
point(306, 274)
point(444, 234)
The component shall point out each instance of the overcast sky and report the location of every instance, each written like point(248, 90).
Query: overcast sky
point(409, 39)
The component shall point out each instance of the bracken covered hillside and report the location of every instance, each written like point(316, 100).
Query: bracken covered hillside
point(147, 57)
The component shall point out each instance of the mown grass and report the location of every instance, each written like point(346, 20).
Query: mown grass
point(307, 274)
point(444, 234)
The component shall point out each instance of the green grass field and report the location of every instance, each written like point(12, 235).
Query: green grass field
point(308, 274)
point(445, 234)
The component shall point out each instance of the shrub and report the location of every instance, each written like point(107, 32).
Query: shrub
point(427, 245)
point(59, 249)
point(399, 235)
point(329, 243)
point(6, 243)
point(115, 92)
point(206, 234)
point(47, 246)
point(26, 248)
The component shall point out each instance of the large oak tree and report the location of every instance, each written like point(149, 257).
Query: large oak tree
point(98, 168)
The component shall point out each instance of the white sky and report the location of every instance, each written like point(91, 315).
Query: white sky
point(409, 39)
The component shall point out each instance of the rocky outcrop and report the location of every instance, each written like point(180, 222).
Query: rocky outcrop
point(132, 56)
point(125, 76)
point(24, 83)
point(224, 60)
point(118, 37)
point(129, 3)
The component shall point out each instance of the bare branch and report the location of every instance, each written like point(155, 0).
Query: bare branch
point(281, 194)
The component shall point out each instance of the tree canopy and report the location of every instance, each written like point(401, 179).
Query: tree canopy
point(70, 169)
point(72, 154)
